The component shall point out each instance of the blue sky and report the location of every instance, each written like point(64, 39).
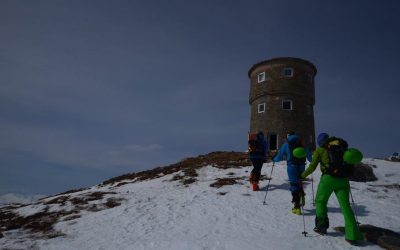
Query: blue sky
point(93, 89)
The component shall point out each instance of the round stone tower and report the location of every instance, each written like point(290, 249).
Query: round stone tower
point(282, 97)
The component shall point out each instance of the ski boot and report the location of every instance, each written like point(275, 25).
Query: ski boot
point(255, 186)
point(254, 182)
point(252, 178)
point(320, 230)
point(296, 210)
point(353, 242)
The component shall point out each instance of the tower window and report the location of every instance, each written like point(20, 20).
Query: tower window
point(261, 108)
point(261, 77)
point(287, 72)
point(287, 105)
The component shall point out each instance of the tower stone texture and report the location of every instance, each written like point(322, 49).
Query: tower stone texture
point(282, 98)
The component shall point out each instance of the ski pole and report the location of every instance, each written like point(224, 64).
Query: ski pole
point(302, 209)
point(354, 207)
point(270, 177)
point(312, 189)
point(304, 222)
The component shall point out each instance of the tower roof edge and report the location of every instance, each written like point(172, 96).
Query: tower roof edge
point(281, 59)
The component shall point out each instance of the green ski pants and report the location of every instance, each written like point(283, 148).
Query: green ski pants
point(341, 187)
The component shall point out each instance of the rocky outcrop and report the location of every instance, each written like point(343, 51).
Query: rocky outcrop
point(363, 173)
point(383, 237)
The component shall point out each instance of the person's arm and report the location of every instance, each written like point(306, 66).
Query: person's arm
point(309, 154)
point(313, 165)
point(281, 153)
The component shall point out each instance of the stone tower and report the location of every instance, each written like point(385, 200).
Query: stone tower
point(282, 97)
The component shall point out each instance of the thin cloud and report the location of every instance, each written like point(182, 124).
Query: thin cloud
point(143, 148)
point(17, 198)
point(67, 148)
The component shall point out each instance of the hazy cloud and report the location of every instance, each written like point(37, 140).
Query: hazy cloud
point(17, 198)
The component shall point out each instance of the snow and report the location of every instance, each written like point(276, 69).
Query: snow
point(165, 214)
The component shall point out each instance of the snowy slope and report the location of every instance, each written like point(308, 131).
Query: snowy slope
point(163, 213)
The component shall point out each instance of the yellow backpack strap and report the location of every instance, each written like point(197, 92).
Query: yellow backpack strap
point(334, 143)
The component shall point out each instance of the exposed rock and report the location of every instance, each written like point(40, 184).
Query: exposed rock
point(383, 237)
point(363, 173)
point(393, 159)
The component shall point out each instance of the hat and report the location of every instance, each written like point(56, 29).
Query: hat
point(291, 133)
point(322, 138)
point(292, 138)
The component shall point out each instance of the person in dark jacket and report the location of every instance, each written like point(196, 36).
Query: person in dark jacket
point(257, 158)
point(294, 168)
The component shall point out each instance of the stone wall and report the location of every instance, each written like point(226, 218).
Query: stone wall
point(299, 89)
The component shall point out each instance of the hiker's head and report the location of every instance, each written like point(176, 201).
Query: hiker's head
point(322, 138)
point(292, 138)
point(260, 135)
point(291, 133)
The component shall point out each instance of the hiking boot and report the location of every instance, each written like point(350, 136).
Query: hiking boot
point(320, 230)
point(353, 242)
point(296, 210)
point(255, 186)
point(252, 178)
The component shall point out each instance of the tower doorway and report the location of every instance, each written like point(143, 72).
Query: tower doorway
point(273, 141)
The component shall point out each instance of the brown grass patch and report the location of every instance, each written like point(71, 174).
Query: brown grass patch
point(188, 166)
point(112, 202)
point(43, 222)
point(224, 182)
point(59, 200)
point(72, 217)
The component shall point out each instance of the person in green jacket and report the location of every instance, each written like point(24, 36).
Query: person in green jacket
point(327, 185)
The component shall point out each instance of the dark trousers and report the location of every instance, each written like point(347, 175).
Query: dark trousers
point(256, 172)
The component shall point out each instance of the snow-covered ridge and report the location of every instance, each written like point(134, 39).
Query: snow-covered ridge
point(201, 202)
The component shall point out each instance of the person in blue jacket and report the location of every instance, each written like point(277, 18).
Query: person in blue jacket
point(295, 166)
point(257, 158)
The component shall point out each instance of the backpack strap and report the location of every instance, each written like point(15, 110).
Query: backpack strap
point(335, 148)
point(335, 141)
